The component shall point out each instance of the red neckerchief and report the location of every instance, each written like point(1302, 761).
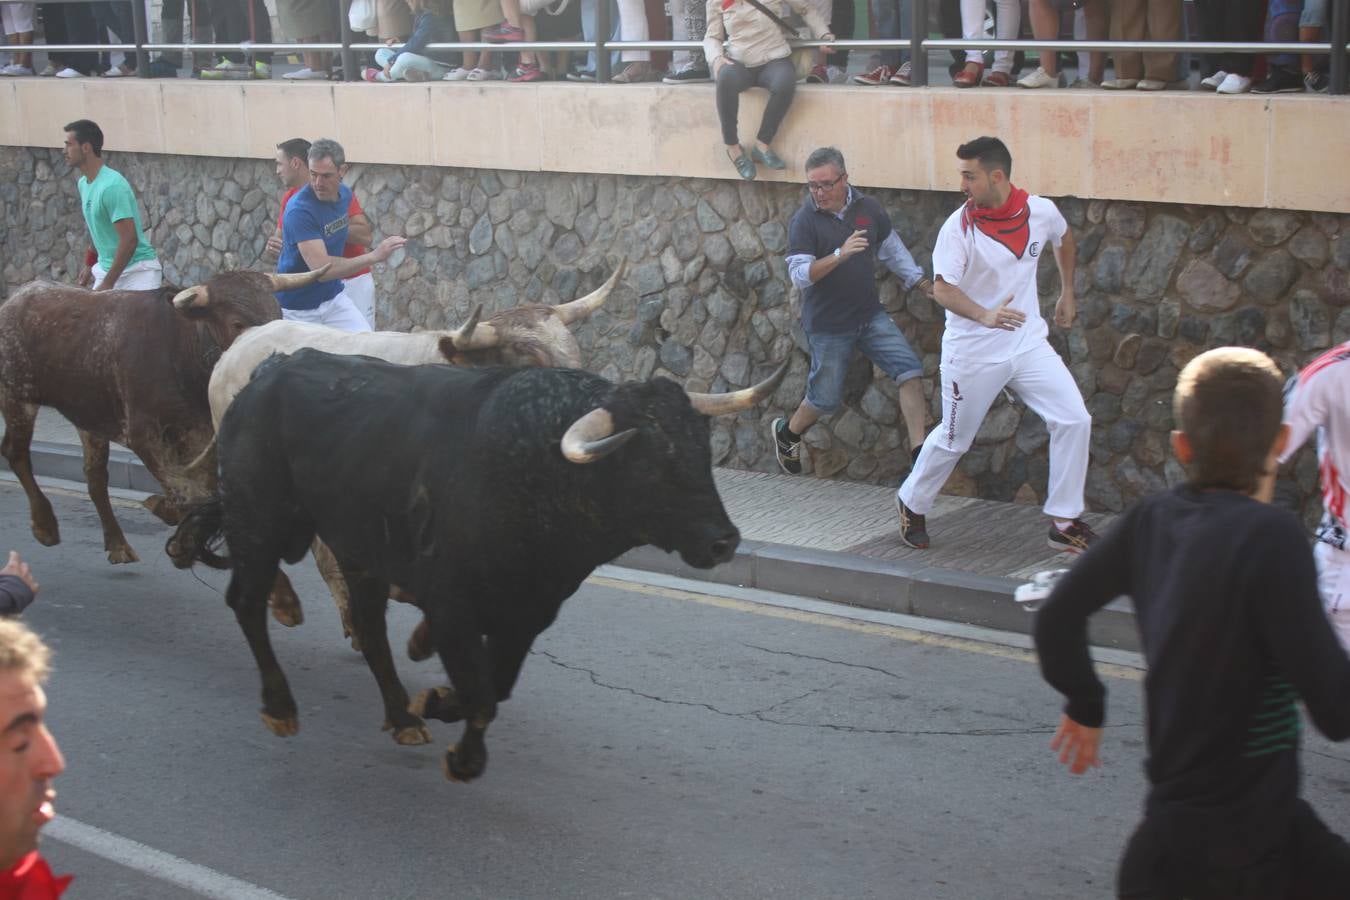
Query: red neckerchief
point(1010, 224)
point(32, 879)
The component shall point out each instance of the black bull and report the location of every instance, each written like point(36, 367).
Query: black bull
point(489, 494)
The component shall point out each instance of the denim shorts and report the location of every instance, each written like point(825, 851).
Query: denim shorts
point(880, 340)
point(1314, 14)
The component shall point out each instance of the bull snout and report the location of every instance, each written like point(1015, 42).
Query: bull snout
point(724, 548)
point(713, 547)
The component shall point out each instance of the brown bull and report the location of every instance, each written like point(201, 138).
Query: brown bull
point(124, 366)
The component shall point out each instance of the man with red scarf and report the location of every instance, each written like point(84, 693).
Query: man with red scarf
point(29, 760)
point(984, 273)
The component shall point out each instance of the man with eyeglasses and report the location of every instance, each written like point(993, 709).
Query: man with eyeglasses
point(834, 242)
point(314, 230)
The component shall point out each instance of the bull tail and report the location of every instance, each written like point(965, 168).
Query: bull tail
point(203, 456)
point(199, 537)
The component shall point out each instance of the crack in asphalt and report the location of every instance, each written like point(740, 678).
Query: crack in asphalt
point(826, 659)
point(760, 714)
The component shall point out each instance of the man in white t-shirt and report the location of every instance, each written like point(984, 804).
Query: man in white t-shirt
point(984, 274)
point(1320, 402)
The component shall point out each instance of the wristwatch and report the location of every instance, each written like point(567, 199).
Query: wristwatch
point(838, 252)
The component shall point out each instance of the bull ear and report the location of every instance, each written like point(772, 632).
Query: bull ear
point(291, 281)
point(583, 307)
point(592, 437)
point(195, 297)
point(725, 404)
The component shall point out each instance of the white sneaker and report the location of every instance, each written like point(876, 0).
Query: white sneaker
point(485, 75)
point(1212, 82)
point(457, 74)
point(1041, 79)
point(836, 75)
point(306, 74)
point(1234, 83)
point(48, 71)
point(19, 71)
point(114, 72)
point(68, 72)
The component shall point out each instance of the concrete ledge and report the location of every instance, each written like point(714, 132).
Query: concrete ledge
point(1169, 147)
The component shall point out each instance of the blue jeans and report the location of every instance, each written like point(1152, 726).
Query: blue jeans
point(880, 340)
point(406, 61)
point(893, 21)
point(589, 9)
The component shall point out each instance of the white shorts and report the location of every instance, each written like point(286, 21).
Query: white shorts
point(339, 313)
point(17, 18)
point(361, 291)
point(1333, 582)
point(146, 275)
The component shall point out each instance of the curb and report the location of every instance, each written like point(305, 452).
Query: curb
point(847, 578)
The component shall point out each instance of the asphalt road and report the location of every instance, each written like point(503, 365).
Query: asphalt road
point(661, 744)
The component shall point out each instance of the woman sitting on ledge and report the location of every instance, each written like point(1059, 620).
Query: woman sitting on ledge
point(747, 47)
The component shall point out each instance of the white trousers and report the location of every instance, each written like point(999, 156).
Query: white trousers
point(1333, 582)
point(1043, 382)
point(1007, 21)
point(146, 275)
point(361, 291)
point(633, 27)
point(339, 313)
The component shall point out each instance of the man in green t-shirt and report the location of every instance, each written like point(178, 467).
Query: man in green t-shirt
point(121, 257)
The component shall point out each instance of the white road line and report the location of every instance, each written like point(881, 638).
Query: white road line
point(156, 863)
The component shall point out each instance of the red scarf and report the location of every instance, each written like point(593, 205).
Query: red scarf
point(32, 879)
point(1010, 224)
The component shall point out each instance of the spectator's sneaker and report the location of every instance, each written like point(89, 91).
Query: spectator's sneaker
point(585, 75)
point(635, 73)
point(48, 71)
point(416, 75)
point(879, 75)
point(371, 74)
point(689, 73)
point(835, 75)
point(223, 69)
point(1213, 81)
point(485, 75)
point(1280, 81)
point(1151, 84)
point(525, 73)
point(19, 71)
point(913, 527)
point(161, 68)
point(902, 75)
point(1074, 539)
point(1084, 84)
point(1041, 79)
point(505, 33)
point(262, 71)
point(1120, 84)
point(789, 452)
point(117, 72)
point(1313, 82)
point(68, 72)
point(1233, 83)
point(306, 74)
point(818, 75)
point(456, 74)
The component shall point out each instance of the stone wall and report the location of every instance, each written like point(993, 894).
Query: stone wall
point(707, 300)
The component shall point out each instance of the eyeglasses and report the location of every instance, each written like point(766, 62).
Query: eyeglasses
point(819, 187)
point(323, 176)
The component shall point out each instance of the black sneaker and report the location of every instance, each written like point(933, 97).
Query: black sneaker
point(692, 73)
point(581, 75)
point(789, 452)
point(1316, 82)
point(913, 528)
point(1074, 539)
point(1280, 81)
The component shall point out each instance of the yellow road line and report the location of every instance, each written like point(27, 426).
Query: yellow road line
point(895, 632)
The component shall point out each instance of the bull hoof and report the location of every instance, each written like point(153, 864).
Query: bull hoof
point(419, 642)
point(287, 611)
point(459, 767)
point(180, 558)
point(163, 510)
point(48, 535)
point(281, 727)
point(437, 703)
point(122, 554)
point(411, 735)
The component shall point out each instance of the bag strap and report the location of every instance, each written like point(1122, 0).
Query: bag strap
point(791, 32)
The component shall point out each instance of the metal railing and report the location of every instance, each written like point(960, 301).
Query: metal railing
point(920, 46)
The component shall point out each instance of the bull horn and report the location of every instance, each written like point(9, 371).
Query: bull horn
point(470, 336)
point(725, 404)
point(592, 437)
point(580, 309)
point(195, 297)
point(293, 280)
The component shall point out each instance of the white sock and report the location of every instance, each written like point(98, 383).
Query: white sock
point(1063, 524)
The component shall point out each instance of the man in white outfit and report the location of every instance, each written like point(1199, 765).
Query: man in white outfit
point(1320, 402)
point(984, 274)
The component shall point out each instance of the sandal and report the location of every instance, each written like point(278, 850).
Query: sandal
point(997, 79)
point(744, 167)
point(969, 77)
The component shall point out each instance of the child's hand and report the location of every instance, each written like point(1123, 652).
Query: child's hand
point(1077, 745)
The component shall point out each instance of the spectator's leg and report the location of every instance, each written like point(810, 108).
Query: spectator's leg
point(384, 57)
point(171, 22)
point(888, 19)
point(842, 24)
point(18, 19)
point(81, 29)
point(1282, 28)
point(1164, 24)
point(1310, 29)
point(1045, 27)
point(1097, 20)
point(1007, 25)
point(1128, 24)
point(680, 30)
point(633, 27)
point(779, 78)
point(414, 62)
point(731, 80)
point(514, 16)
point(229, 21)
point(972, 29)
point(261, 29)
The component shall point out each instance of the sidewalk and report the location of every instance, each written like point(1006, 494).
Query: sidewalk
point(805, 536)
